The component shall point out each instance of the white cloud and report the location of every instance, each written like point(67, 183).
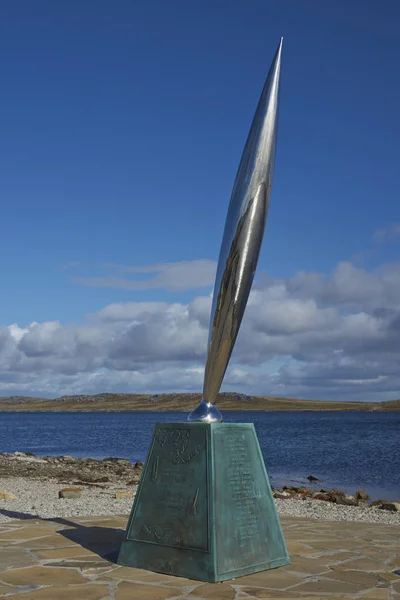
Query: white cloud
point(174, 277)
point(312, 336)
point(387, 234)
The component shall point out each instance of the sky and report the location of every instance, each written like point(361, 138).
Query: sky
point(122, 126)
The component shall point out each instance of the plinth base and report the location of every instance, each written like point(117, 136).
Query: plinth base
point(204, 507)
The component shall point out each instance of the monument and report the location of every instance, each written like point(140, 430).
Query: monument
point(204, 507)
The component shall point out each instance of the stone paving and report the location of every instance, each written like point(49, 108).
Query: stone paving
point(64, 559)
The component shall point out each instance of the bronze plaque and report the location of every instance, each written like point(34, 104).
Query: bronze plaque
point(172, 504)
point(247, 526)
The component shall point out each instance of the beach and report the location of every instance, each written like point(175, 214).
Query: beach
point(108, 486)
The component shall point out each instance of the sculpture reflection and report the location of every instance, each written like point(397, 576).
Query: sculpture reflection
point(241, 243)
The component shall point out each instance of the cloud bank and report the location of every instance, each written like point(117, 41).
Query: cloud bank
point(331, 336)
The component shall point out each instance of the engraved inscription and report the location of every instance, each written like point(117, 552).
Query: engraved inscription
point(195, 501)
point(172, 506)
point(248, 531)
point(177, 438)
point(166, 537)
point(245, 495)
point(175, 442)
point(155, 468)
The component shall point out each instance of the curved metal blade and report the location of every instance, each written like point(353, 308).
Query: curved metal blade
point(241, 243)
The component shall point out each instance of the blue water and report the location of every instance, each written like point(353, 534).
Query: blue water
point(344, 450)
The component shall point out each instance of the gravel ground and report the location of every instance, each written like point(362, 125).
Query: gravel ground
point(39, 498)
point(327, 511)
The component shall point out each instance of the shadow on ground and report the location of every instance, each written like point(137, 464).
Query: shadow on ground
point(103, 541)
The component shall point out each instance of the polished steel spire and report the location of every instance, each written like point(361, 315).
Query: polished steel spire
point(241, 243)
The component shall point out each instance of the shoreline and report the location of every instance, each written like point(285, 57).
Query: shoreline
point(26, 464)
point(185, 402)
point(186, 410)
point(32, 485)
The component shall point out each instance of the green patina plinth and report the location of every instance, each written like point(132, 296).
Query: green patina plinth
point(204, 507)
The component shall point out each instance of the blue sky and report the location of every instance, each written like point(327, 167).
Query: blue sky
point(122, 128)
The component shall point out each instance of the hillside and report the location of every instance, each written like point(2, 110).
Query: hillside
point(179, 403)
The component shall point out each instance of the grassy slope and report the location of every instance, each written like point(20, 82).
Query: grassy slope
point(181, 402)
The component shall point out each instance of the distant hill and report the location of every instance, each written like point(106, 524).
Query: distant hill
point(180, 403)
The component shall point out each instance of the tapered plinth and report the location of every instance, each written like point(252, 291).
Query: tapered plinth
point(204, 507)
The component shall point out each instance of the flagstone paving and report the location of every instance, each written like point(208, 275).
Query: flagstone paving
point(63, 559)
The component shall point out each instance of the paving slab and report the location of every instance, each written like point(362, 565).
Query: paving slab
point(49, 560)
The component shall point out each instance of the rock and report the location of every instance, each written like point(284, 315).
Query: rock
point(281, 495)
point(386, 505)
point(393, 506)
point(361, 495)
point(324, 491)
point(311, 478)
point(325, 497)
point(304, 491)
point(139, 465)
point(338, 498)
point(68, 459)
point(363, 504)
point(120, 494)
point(118, 461)
point(349, 500)
point(70, 493)
point(338, 492)
point(290, 489)
point(21, 456)
point(132, 482)
point(4, 495)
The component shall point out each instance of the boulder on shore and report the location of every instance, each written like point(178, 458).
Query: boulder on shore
point(361, 495)
point(70, 493)
point(386, 505)
point(393, 506)
point(281, 495)
point(122, 494)
point(322, 496)
point(4, 495)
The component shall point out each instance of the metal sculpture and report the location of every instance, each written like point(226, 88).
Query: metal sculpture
point(241, 243)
